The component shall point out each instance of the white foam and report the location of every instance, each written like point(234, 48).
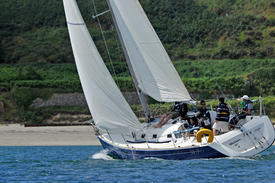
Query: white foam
point(102, 155)
point(241, 158)
point(154, 158)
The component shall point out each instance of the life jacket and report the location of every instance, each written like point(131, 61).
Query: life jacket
point(205, 118)
point(177, 107)
point(204, 112)
point(222, 112)
point(180, 107)
point(245, 108)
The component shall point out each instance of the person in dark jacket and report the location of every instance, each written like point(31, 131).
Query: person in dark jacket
point(179, 110)
point(204, 116)
point(222, 118)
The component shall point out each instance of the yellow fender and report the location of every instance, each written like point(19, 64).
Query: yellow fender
point(205, 132)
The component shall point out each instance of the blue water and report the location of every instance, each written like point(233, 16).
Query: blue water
point(91, 164)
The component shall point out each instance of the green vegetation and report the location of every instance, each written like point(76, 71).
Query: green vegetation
point(214, 29)
point(203, 36)
point(236, 77)
point(35, 31)
point(21, 84)
point(39, 115)
point(11, 113)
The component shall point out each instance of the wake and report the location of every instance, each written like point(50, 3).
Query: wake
point(102, 155)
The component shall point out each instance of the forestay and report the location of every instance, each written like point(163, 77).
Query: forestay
point(153, 68)
point(106, 103)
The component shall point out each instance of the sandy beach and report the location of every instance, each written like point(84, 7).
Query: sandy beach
point(18, 135)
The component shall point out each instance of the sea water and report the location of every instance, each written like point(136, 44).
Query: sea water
point(92, 164)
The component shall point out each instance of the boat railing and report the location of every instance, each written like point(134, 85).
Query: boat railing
point(129, 140)
point(261, 106)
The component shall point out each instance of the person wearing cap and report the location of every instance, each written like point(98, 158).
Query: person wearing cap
point(222, 118)
point(248, 107)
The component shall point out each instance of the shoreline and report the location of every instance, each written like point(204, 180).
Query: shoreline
point(19, 135)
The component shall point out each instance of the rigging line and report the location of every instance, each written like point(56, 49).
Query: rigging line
point(105, 43)
point(230, 107)
point(258, 139)
point(245, 132)
point(119, 48)
point(184, 30)
point(263, 108)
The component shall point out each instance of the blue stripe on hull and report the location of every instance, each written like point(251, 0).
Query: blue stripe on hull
point(177, 154)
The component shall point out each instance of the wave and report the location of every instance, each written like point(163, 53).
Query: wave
point(154, 158)
point(102, 155)
point(241, 158)
point(265, 156)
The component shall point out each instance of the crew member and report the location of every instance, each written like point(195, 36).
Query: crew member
point(221, 121)
point(179, 110)
point(248, 107)
point(204, 116)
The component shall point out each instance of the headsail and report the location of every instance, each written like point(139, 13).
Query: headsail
point(106, 103)
point(153, 68)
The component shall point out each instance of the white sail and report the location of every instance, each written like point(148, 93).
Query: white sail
point(106, 103)
point(153, 68)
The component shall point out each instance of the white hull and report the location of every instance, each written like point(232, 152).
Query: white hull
point(255, 136)
point(252, 138)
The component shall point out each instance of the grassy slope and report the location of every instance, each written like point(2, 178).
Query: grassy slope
point(35, 31)
point(251, 76)
point(21, 84)
point(41, 114)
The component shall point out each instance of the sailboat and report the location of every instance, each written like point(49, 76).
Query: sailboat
point(116, 125)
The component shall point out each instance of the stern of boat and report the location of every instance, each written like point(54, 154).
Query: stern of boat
point(249, 139)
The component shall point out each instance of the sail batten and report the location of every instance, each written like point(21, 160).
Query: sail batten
point(153, 68)
point(106, 103)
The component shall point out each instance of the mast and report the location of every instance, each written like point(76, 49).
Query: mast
point(141, 95)
point(106, 103)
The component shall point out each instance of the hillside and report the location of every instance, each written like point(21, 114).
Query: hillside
point(22, 84)
point(35, 31)
point(235, 77)
point(215, 45)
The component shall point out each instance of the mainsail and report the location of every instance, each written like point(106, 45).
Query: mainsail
point(153, 68)
point(106, 103)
